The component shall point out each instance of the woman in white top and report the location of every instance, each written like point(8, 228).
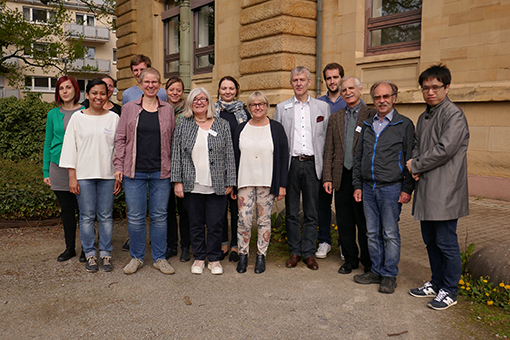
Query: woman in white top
point(87, 152)
point(203, 171)
point(261, 152)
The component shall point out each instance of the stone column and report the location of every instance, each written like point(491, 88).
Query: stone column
point(276, 36)
point(185, 43)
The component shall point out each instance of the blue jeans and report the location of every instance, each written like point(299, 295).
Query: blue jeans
point(96, 199)
point(382, 212)
point(135, 190)
point(302, 180)
point(444, 253)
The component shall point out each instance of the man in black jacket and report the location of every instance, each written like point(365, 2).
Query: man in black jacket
point(381, 178)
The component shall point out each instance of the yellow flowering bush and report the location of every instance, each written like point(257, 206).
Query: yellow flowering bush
point(482, 290)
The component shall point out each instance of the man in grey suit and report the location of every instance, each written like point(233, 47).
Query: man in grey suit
point(305, 121)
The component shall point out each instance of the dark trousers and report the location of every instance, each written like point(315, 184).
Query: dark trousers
point(69, 211)
point(325, 199)
point(444, 253)
point(302, 180)
point(349, 214)
point(205, 214)
point(234, 212)
point(172, 238)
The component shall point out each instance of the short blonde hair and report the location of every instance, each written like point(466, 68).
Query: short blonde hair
point(257, 95)
point(150, 70)
point(188, 110)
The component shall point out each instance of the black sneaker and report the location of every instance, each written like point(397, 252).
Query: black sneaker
point(428, 290)
point(66, 255)
point(91, 265)
point(184, 255)
point(367, 278)
point(83, 259)
point(442, 301)
point(170, 252)
point(125, 247)
point(388, 285)
point(106, 263)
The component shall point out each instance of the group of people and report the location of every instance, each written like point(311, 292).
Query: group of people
point(204, 158)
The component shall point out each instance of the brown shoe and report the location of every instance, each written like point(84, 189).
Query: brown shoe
point(292, 261)
point(311, 263)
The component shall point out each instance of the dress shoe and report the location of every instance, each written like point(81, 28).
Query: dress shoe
point(234, 256)
point(311, 263)
point(170, 252)
point(292, 261)
point(242, 264)
point(260, 264)
point(223, 255)
point(184, 255)
point(66, 255)
point(347, 268)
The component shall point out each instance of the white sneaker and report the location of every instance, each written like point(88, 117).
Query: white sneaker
point(163, 266)
point(133, 266)
point(197, 267)
point(323, 250)
point(442, 301)
point(215, 268)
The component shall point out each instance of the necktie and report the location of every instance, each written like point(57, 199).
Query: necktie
point(349, 140)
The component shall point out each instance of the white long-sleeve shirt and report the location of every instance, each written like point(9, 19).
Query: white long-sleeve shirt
point(89, 145)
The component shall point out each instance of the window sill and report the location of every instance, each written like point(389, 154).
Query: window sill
point(388, 57)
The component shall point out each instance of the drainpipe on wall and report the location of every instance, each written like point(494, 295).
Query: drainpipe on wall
point(184, 47)
point(318, 52)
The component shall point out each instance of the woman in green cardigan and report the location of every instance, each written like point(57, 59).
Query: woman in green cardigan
point(67, 96)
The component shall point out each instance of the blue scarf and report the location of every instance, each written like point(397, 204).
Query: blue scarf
point(236, 108)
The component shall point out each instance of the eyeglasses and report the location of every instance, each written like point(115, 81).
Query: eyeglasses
point(198, 100)
point(385, 97)
point(434, 88)
point(258, 105)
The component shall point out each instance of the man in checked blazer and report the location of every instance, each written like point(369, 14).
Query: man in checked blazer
point(343, 131)
point(305, 120)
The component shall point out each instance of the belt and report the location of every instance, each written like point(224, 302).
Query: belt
point(303, 158)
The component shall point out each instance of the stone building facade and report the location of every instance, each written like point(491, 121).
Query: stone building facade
point(260, 41)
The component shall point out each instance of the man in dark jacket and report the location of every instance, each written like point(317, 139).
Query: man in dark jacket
point(381, 179)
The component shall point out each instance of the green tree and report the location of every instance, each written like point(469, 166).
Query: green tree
point(26, 45)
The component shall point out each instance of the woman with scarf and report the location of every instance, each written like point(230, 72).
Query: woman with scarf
point(175, 90)
point(235, 112)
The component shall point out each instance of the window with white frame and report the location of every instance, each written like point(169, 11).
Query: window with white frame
point(91, 52)
point(85, 19)
point(114, 56)
point(39, 15)
point(40, 84)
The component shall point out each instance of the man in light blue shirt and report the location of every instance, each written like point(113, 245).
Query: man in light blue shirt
point(138, 63)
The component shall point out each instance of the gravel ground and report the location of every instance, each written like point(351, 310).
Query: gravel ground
point(43, 299)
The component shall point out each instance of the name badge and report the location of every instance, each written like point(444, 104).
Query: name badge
point(288, 106)
point(107, 132)
point(213, 133)
point(358, 129)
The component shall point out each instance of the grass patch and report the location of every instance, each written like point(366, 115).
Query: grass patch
point(490, 319)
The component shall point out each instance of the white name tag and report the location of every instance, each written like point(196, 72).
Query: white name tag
point(358, 128)
point(107, 132)
point(288, 106)
point(213, 133)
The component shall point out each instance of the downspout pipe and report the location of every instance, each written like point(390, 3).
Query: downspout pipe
point(318, 54)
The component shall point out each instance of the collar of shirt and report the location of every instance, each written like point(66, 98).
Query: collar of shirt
point(388, 117)
point(298, 101)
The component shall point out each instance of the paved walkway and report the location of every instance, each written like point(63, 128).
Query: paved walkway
point(43, 299)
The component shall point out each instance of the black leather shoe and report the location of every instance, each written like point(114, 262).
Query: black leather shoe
point(66, 255)
point(242, 264)
point(234, 256)
point(347, 268)
point(260, 264)
point(83, 259)
point(170, 252)
point(223, 255)
point(184, 255)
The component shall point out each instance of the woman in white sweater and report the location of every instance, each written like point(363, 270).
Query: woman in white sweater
point(87, 152)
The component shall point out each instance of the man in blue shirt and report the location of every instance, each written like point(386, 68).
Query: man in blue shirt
point(332, 73)
point(138, 63)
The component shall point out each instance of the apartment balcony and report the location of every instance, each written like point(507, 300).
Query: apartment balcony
point(98, 65)
point(89, 33)
point(6, 93)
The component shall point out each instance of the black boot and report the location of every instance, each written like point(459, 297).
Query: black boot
point(66, 255)
point(242, 264)
point(260, 264)
point(83, 259)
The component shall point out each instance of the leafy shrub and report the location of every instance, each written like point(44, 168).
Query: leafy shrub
point(23, 124)
point(23, 195)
